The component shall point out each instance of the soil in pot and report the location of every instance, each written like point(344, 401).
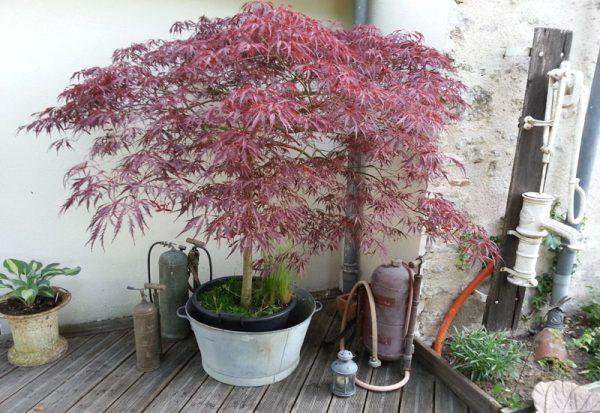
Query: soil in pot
point(14, 306)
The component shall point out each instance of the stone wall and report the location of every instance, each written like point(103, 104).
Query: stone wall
point(485, 139)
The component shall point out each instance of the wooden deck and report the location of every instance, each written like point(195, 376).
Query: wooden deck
point(98, 374)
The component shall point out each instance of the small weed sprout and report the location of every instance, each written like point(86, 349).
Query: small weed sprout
point(485, 355)
point(506, 397)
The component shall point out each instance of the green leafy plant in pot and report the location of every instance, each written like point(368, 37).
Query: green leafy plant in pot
point(32, 310)
point(247, 126)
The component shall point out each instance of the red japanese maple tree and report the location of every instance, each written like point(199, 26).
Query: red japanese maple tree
point(243, 126)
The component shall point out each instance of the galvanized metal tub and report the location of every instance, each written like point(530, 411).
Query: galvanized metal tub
point(254, 358)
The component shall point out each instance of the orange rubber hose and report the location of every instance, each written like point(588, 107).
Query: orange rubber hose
point(458, 302)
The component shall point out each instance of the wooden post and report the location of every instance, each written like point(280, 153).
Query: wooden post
point(550, 48)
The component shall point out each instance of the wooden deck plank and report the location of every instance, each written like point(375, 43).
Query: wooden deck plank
point(356, 402)
point(5, 366)
point(176, 394)
point(384, 402)
point(417, 396)
point(19, 377)
point(64, 396)
point(208, 398)
point(108, 381)
point(281, 396)
point(316, 395)
point(445, 401)
point(242, 399)
point(113, 386)
point(42, 385)
point(144, 390)
point(12, 378)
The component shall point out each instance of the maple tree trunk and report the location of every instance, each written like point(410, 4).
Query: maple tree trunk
point(246, 279)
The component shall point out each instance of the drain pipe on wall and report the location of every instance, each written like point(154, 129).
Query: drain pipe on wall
point(566, 256)
point(350, 265)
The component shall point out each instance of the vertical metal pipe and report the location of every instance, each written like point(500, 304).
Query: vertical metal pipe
point(361, 12)
point(585, 168)
point(350, 265)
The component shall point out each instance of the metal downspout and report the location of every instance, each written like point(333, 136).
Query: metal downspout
point(350, 266)
point(361, 12)
point(587, 154)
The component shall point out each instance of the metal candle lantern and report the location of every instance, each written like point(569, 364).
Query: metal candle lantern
point(344, 374)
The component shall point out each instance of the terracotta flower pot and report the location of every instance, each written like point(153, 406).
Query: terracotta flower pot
point(35, 336)
point(340, 303)
point(549, 343)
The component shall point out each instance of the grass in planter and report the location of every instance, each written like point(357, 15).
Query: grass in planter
point(485, 355)
point(225, 298)
point(277, 285)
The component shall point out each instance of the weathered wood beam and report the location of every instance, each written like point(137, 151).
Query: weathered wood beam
point(550, 48)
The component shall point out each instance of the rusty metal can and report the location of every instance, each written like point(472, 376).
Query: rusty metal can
point(147, 335)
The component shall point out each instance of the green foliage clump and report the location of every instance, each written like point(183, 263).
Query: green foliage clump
point(542, 292)
point(592, 371)
point(589, 340)
point(485, 355)
point(32, 279)
point(507, 397)
point(225, 297)
point(592, 311)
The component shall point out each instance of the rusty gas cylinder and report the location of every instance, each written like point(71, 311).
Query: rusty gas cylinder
point(391, 285)
point(147, 335)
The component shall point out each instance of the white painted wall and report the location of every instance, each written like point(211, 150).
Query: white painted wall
point(429, 17)
point(42, 44)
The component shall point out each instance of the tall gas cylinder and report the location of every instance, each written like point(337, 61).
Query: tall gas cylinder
point(391, 285)
point(147, 335)
point(172, 272)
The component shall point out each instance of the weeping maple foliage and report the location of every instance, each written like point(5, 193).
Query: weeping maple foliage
point(243, 127)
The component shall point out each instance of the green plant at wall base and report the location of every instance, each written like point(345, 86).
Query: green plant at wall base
point(542, 293)
point(589, 340)
point(32, 279)
point(592, 371)
point(592, 311)
point(485, 355)
point(506, 397)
